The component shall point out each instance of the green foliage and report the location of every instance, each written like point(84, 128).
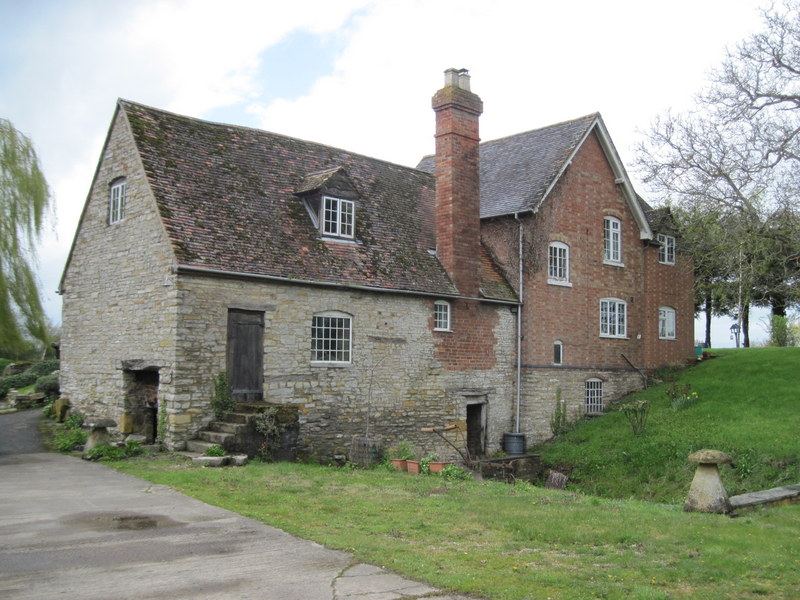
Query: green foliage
point(425, 463)
point(48, 384)
point(636, 411)
point(781, 332)
point(681, 396)
point(559, 421)
point(44, 367)
point(492, 540)
point(4, 362)
point(222, 401)
point(106, 452)
point(216, 450)
point(455, 473)
point(748, 408)
point(25, 202)
point(404, 450)
point(69, 434)
point(266, 423)
point(15, 382)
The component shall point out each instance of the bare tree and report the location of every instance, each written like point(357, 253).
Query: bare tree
point(731, 163)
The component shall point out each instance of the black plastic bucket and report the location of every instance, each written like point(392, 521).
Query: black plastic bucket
point(514, 443)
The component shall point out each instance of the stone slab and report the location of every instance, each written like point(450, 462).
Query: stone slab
point(788, 493)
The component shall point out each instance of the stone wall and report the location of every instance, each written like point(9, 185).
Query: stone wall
point(119, 299)
point(395, 385)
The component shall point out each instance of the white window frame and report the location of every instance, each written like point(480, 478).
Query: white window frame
point(666, 323)
point(613, 318)
point(332, 338)
point(666, 252)
point(612, 241)
point(558, 264)
point(117, 196)
point(558, 352)
point(441, 316)
point(337, 217)
point(593, 396)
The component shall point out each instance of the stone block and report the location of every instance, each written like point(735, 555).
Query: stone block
point(126, 423)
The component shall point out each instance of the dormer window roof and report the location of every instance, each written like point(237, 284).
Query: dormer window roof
point(330, 199)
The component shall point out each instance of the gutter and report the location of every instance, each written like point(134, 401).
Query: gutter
point(349, 286)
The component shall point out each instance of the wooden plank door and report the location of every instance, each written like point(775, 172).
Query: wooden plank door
point(246, 355)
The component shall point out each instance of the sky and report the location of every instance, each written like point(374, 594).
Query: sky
point(355, 74)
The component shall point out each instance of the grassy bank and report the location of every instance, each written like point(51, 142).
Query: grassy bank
point(748, 405)
point(507, 542)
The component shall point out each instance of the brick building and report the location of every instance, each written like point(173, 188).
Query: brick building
point(374, 298)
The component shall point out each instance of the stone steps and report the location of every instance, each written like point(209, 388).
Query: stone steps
point(215, 437)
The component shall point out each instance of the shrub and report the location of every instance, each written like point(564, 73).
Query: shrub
point(67, 438)
point(455, 472)
point(44, 367)
point(216, 450)
point(48, 385)
point(222, 401)
point(14, 382)
point(107, 452)
point(636, 411)
point(559, 421)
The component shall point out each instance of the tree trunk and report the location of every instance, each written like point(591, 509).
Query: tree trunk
point(746, 327)
point(707, 310)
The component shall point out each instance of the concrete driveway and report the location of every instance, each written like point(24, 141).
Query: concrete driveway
point(76, 529)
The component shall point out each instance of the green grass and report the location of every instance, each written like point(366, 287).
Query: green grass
point(522, 542)
point(507, 542)
point(749, 402)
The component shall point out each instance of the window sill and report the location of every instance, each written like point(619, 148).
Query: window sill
point(613, 263)
point(331, 238)
point(614, 337)
point(329, 364)
point(559, 282)
point(667, 339)
point(443, 330)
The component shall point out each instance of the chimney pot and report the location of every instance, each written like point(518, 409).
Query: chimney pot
point(451, 77)
point(463, 79)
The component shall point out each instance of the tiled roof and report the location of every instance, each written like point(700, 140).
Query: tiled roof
point(517, 171)
point(228, 197)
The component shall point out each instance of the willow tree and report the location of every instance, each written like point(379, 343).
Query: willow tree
point(24, 204)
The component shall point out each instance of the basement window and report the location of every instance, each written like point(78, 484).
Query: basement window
point(593, 397)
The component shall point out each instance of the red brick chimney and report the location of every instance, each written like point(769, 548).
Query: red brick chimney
point(458, 209)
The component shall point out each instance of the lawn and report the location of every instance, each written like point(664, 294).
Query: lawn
point(748, 406)
point(506, 542)
point(523, 542)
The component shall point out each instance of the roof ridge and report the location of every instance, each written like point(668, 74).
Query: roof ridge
point(123, 102)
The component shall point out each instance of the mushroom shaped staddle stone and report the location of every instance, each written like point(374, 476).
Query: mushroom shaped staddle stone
point(99, 435)
point(707, 494)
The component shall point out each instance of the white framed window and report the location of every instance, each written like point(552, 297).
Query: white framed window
point(558, 352)
point(612, 240)
point(593, 396)
point(666, 253)
point(558, 263)
point(441, 315)
point(338, 217)
point(331, 337)
point(116, 201)
point(666, 323)
point(613, 318)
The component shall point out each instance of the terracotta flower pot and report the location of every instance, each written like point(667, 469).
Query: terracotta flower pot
point(436, 466)
point(413, 466)
point(400, 464)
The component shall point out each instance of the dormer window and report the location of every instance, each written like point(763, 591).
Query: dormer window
point(338, 217)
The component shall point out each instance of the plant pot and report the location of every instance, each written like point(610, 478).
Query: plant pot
point(413, 466)
point(436, 466)
point(400, 464)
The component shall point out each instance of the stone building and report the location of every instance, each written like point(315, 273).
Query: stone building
point(373, 298)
